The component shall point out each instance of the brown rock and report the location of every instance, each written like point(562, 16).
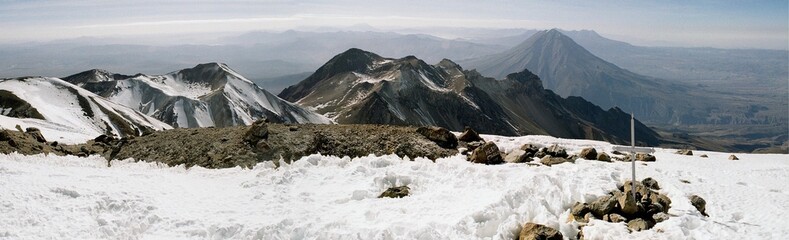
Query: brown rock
point(639, 224)
point(469, 135)
point(579, 210)
point(588, 153)
point(660, 217)
point(603, 157)
point(533, 231)
point(36, 134)
point(650, 183)
point(645, 157)
point(396, 192)
point(256, 132)
point(627, 203)
point(441, 136)
point(603, 205)
point(704, 155)
point(661, 199)
point(614, 218)
point(488, 153)
point(700, 204)
point(687, 152)
point(550, 161)
point(733, 157)
point(556, 151)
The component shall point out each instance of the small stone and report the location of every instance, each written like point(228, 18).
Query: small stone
point(686, 152)
point(704, 155)
point(644, 157)
point(639, 224)
point(733, 157)
point(660, 217)
point(550, 161)
point(556, 151)
point(533, 231)
point(396, 192)
point(614, 218)
point(517, 156)
point(603, 157)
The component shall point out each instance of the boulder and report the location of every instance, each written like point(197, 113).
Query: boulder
point(588, 153)
point(700, 204)
point(395, 192)
point(687, 152)
point(641, 191)
point(661, 199)
point(469, 135)
point(549, 160)
point(639, 224)
point(603, 206)
point(488, 153)
point(36, 134)
point(517, 156)
point(650, 183)
point(603, 157)
point(538, 231)
point(733, 157)
point(256, 132)
point(441, 136)
point(703, 155)
point(104, 139)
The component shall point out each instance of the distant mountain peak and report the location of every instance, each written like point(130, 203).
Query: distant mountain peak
point(94, 75)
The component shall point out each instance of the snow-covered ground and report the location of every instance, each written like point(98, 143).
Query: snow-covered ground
point(323, 197)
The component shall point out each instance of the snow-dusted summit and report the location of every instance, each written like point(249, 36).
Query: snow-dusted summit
point(67, 113)
point(209, 94)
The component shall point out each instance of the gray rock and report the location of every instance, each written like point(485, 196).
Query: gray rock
point(517, 156)
point(556, 151)
point(533, 231)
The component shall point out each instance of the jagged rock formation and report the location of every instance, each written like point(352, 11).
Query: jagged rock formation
point(207, 95)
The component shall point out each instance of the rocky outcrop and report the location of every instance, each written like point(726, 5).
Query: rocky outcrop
point(533, 231)
point(396, 192)
point(440, 136)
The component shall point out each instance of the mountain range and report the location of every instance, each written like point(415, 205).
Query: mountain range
point(357, 86)
point(207, 95)
point(62, 109)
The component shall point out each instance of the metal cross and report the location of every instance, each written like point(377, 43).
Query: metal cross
point(633, 150)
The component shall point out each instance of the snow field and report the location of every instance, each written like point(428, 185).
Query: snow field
point(330, 197)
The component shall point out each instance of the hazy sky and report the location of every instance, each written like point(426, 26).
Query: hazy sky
point(714, 23)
